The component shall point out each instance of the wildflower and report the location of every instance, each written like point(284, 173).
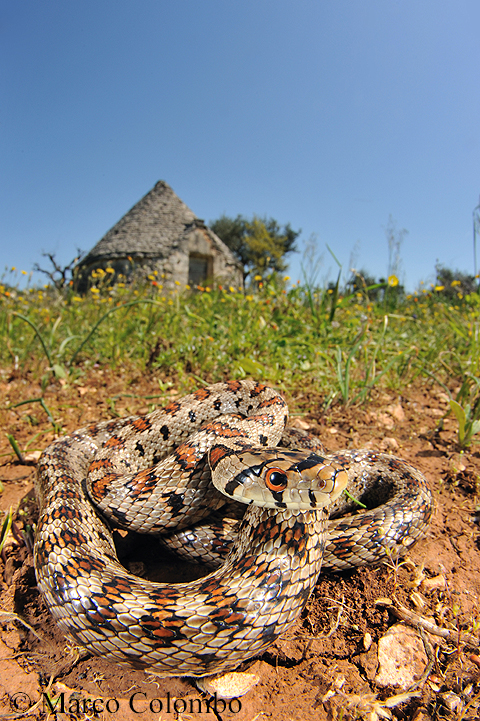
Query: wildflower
point(392, 281)
point(177, 282)
point(24, 272)
point(187, 287)
point(438, 288)
point(257, 277)
point(94, 290)
point(13, 268)
point(286, 277)
point(77, 299)
point(109, 270)
point(208, 289)
point(231, 289)
point(120, 285)
point(151, 277)
point(455, 282)
point(154, 282)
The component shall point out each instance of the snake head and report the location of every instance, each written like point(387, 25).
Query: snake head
point(278, 478)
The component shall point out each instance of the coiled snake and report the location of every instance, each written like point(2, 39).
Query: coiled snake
point(154, 473)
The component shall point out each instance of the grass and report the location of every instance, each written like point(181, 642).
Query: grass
point(298, 339)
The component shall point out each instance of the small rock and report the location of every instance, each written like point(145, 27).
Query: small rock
point(367, 641)
point(397, 412)
point(451, 701)
point(298, 423)
point(228, 685)
point(389, 444)
point(435, 682)
point(385, 421)
point(33, 456)
point(401, 657)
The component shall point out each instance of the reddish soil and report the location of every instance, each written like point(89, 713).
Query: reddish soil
point(326, 667)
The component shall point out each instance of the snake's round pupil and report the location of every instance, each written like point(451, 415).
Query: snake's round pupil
point(276, 480)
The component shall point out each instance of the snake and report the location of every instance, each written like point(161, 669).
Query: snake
point(223, 446)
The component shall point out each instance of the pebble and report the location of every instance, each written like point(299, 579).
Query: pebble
point(401, 657)
point(228, 685)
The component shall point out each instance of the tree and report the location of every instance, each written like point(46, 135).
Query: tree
point(259, 244)
point(58, 274)
point(454, 282)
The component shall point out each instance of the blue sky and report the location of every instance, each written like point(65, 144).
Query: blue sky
point(329, 114)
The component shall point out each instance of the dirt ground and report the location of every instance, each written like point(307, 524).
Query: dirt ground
point(326, 667)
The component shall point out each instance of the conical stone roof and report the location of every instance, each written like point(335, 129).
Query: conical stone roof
point(148, 229)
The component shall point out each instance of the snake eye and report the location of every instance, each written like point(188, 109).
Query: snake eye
point(276, 480)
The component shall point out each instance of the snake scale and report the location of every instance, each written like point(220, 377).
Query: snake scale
point(154, 474)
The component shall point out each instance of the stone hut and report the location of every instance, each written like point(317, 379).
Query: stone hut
point(160, 233)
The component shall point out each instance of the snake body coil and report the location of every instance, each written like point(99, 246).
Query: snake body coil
point(153, 474)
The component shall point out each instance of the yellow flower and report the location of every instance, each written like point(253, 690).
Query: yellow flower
point(94, 290)
point(392, 281)
point(438, 288)
point(177, 282)
point(231, 289)
point(13, 268)
point(258, 277)
point(455, 282)
point(187, 287)
point(77, 299)
point(24, 272)
point(109, 270)
point(286, 277)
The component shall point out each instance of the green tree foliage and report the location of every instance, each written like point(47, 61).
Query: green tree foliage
point(454, 281)
point(260, 244)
